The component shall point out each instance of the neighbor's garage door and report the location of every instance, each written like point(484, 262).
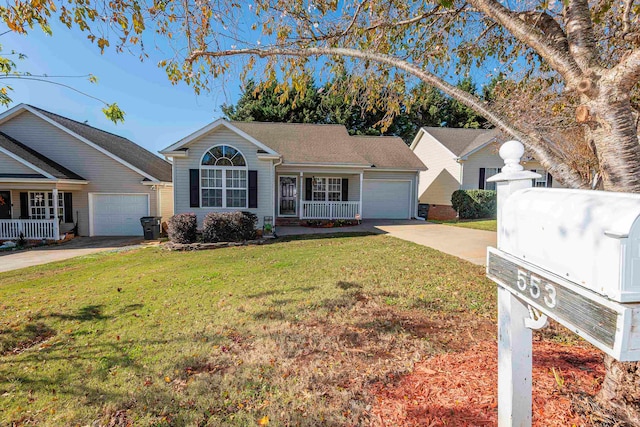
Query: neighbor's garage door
point(386, 199)
point(118, 214)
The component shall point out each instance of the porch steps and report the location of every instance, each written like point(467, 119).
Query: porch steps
point(287, 222)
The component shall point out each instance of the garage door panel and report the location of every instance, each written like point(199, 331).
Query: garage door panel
point(386, 199)
point(118, 214)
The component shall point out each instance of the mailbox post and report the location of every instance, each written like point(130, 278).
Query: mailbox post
point(514, 335)
point(572, 256)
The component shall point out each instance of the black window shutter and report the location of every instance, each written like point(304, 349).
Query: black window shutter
point(194, 188)
point(253, 189)
point(308, 187)
point(68, 207)
point(24, 205)
point(481, 180)
point(345, 189)
point(549, 180)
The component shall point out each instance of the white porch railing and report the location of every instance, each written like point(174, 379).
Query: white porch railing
point(329, 210)
point(31, 229)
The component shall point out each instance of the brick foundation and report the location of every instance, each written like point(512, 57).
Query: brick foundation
point(441, 213)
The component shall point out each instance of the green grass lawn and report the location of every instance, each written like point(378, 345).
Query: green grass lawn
point(478, 224)
point(294, 331)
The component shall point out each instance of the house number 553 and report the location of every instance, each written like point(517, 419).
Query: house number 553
point(538, 289)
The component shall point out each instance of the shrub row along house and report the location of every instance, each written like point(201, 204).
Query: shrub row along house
point(461, 159)
point(293, 172)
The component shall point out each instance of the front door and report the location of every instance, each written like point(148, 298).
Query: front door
point(288, 196)
point(5, 205)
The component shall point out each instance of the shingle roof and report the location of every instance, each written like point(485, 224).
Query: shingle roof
point(121, 147)
point(462, 141)
point(36, 159)
point(331, 144)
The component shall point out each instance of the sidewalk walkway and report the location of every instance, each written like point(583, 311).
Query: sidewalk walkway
point(465, 243)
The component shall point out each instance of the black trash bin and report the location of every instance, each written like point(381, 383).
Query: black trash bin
point(151, 227)
point(423, 210)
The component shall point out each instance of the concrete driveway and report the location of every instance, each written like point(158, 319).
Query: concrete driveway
point(76, 247)
point(465, 243)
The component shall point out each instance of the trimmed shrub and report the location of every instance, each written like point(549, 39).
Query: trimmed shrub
point(473, 204)
point(229, 227)
point(183, 227)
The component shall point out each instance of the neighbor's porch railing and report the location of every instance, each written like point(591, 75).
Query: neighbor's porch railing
point(329, 210)
point(31, 229)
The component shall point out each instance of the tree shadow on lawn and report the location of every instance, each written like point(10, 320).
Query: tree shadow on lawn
point(84, 314)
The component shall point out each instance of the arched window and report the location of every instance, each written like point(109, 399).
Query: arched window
point(223, 178)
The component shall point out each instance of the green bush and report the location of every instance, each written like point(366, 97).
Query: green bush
point(183, 228)
point(473, 204)
point(229, 227)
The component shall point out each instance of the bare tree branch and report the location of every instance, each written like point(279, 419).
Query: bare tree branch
point(627, 71)
point(355, 17)
point(536, 143)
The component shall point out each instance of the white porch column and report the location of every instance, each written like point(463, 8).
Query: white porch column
point(361, 181)
point(514, 337)
point(56, 222)
point(299, 198)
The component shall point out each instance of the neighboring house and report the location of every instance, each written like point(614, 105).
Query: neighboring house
point(101, 181)
point(460, 159)
point(291, 172)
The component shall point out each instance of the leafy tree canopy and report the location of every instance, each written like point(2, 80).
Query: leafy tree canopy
point(332, 103)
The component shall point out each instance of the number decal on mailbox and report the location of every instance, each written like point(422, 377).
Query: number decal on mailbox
point(537, 288)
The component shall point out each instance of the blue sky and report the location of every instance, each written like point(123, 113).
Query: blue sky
point(157, 113)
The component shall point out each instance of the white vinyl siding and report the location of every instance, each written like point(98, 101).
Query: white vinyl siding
point(166, 202)
point(442, 177)
point(487, 158)
point(12, 166)
point(104, 174)
point(197, 149)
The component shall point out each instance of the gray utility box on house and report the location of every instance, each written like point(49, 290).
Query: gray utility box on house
point(151, 227)
point(590, 238)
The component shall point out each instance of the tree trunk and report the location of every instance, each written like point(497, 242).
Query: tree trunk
point(613, 132)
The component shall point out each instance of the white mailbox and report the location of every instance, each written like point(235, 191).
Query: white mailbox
point(590, 238)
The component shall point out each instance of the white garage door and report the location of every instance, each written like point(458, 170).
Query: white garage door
point(386, 199)
point(118, 214)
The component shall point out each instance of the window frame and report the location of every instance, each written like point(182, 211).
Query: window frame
point(487, 176)
point(544, 179)
point(226, 172)
point(327, 191)
point(48, 205)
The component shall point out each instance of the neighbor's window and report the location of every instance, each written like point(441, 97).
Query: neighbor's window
point(223, 178)
point(327, 189)
point(41, 205)
point(488, 173)
point(544, 180)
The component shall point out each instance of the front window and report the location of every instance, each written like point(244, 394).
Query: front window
point(223, 178)
point(327, 189)
point(543, 181)
point(41, 205)
point(488, 173)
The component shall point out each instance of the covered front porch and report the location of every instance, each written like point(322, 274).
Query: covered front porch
point(318, 195)
point(36, 210)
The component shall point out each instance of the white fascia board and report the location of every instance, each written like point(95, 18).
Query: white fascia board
point(475, 150)
point(438, 141)
point(43, 181)
point(417, 138)
point(400, 169)
point(211, 126)
point(268, 157)
point(23, 107)
point(328, 165)
point(26, 163)
point(159, 183)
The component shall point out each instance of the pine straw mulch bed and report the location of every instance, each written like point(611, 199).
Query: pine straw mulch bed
point(460, 389)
